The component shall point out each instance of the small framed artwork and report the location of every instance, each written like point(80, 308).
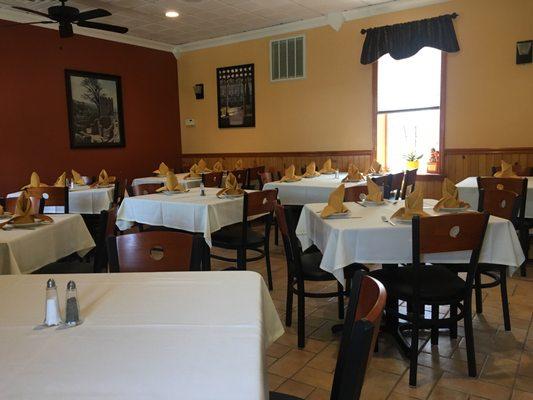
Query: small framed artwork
point(94, 110)
point(236, 96)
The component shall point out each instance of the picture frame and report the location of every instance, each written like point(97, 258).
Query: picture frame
point(236, 96)
point(95, 111)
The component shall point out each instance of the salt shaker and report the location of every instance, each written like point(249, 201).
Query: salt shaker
point(72, 316)
point(336, 174)
point(52, 315)
point(202, 189)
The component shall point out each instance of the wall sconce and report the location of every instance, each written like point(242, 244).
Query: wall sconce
point(199, 91)
point(524, 54)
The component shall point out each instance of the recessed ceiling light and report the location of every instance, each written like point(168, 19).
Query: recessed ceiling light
point(172, 14)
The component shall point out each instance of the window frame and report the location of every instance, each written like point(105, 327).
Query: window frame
point(442, 107)
point(304, 58)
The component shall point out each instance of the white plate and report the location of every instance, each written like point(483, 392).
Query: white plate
point(172, 192)
point(401, 221)
point(310, 177)
point(339, 215)
point(454, 210)
point(373, 203)
point(77, 188)
point(6, 215)
point(328, 173)
point(290, 181)
point(29, 225)
point(230, 196)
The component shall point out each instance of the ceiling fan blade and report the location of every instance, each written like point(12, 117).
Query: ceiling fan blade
point(103, 27)
point(31, 11)
point(91, 14)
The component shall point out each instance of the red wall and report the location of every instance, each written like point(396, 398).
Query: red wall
point(34, 131)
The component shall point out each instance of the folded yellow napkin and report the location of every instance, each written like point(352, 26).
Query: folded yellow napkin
point(353, 174)
point(374, 191)
point(172, 184)
point(310, 170)
point(375, 168)
point(194, 172)
point(335, 203)
point(1, 210)
point(231, 186)
point(62, 180)
point(202, 166)
point(414, 205)
point(450, 197)
point(78, 180)
point(218, 167)
point(238, 164)
point(326, 168)
point(35, 182)
point(290, 176)
point(162, 170)
point(506, 172)
point(24, 212)
point(104, 179)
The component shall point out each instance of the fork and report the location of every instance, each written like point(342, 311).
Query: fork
point(386, 220)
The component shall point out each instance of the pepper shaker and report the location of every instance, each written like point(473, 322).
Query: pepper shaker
point(52, 315)
point(72, 317)
point(202, 189)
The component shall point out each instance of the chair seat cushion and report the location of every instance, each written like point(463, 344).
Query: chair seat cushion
point(437, 283)
point(311, 267)
point(232, 236)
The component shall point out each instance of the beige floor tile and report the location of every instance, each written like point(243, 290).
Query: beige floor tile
point(426, 379)
point(524, 383)
point(278, 350)
point(274, 381)
point(474, 387)
point(291, 363)
point(316, 377)
point(319, 394)
point(526, 364)
point(520, 395)
point(501, 371)
point(442, 393)
point(326, 360)
point(294, 388)
point(378, 384)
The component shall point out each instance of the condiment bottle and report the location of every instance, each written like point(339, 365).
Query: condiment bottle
point(202, 189)
point(72, 316)
point(52, 315)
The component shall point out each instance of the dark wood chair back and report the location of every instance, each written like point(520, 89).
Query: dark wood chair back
point(500, 203)
point(517, 185)
point(396, 182)
point(106, 228)
point(264, 177)
point(10, 204)
point(213, 179)
point(53, 196)
point(360, 332)
point(145, 188)
point(254, 179)
point(409, 182)
point(241, 175)
point(353, 193)
point(384, 183)
point(260, 202)
point(154, 251)
point(119, 191)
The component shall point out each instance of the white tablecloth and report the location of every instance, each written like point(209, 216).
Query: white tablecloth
point(468, 191)
point(181, 335)
point(313, 190)
point(83, 200)
point(187, 211)
point(24, 251)
point(369, 240)
point(188, 183)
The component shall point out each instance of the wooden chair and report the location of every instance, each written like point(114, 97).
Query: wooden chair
point(436, 285)
point(241, 176)
point(396, 182)
point(384, 183)
point(302, 267)
point(53, 196)
point(10, 203)
point(360, 331)
point(154, 251)
point(213, 179)
point(106, 228)
point(254, 179)
point(241, 237)
point(353, 193)
point(409, 182)
point(145, 188)
point(264, 178)
point(518, 186)
point(119, 191)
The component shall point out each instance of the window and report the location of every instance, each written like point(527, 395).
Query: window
point(287, 58)
point(409, 109)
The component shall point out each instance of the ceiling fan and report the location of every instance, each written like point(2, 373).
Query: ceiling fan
point(66, 16)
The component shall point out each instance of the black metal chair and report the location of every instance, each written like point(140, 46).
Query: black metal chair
point(360, 331)
point(383, 182)
point(53, 196)
point(106, 227)
point(396, 182)
point(302, 267)
point(254, 177)
point(409, 182)
point(241, 237)
point(435, 285)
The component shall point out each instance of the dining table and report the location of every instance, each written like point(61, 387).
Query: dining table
point(182, 179)
point(469, 192)
point(367, 236)
point(83, 199)
point(309, 190)
point(26, 249)
point(169, 335)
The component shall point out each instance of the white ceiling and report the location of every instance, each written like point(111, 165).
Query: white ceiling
point(202, 19)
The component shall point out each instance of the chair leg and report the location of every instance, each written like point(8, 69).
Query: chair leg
point(434, 329)
point(301, 316)
point(469, 338)
point(453, 325)
point(479, 295)
point(276, 234)
point(241, 259)
point(288, 304)
point(269, 267)
point(413, 351)
point(505, 300)
point(340, 300)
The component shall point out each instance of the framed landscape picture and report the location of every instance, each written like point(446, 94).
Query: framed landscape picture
point(236, 96)
point(94, 110)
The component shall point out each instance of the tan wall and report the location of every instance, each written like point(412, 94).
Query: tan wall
point(489, 102)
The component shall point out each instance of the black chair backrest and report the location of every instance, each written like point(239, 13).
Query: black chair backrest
point(517, 185)
point(353, 193)
point(145, 188)
point(53, 196)
point(241, 175)
point(213, 179)
point(500, 203)
point(264, 177)
point(106, 228)
point(119, 191)
point(10, 203)
point(254, 179)
point(256, 204)
point(409, 182)
point(360, 331)
point(383, 182)
point(396, 182)
point(154, 251)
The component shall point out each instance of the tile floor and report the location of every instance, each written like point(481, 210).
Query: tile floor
point(505, 359)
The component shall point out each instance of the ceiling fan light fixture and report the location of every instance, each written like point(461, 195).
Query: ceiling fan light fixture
point(65, 30)
point(172, 14)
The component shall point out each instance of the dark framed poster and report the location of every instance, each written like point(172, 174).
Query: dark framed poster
point(94, 110)
point(236, 96)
